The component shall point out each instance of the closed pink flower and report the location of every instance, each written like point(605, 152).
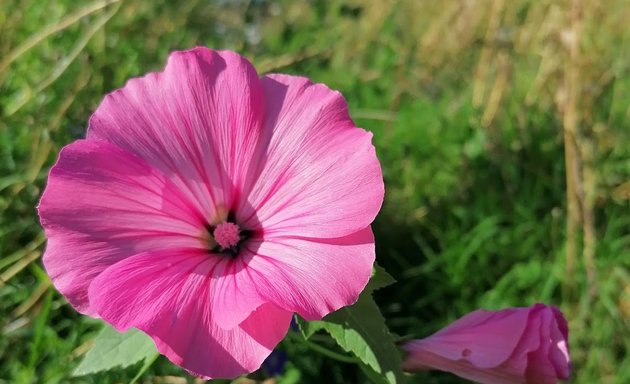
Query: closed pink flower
point(510, 346)
point(208, 204)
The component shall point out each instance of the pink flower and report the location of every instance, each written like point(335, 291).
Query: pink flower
point(510, 346)
point(207, 205)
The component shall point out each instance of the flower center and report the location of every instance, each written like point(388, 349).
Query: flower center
point(227, 235)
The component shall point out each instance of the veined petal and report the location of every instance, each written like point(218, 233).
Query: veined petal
point(540, 368)
point(234, 296)
point(529, 341)
point(168, 295)
point(484, 338)
point(198, 122)
point(312, 277)
point(103, 204)
point(318, 174)
point(424, 359)
point(559, 354)
point(215, 352)
point(136, 290)
point(534, 353)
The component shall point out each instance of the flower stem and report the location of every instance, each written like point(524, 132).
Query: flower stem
point(324, 351)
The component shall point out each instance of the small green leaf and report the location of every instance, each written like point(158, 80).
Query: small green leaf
point(360, 329)
point(112, 349)
point(380, 279)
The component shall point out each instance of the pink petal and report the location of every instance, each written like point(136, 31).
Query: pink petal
point(532, 360)
point(198, 121)
point(311, 276)
point(422, 359)
point(234, 296)
point(528, 342)
point(541, 368)
point(103, 204)
point(319, 175)
point(484, 338)
point(559, 354)
point(167, 295)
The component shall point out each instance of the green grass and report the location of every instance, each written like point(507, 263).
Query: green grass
point(468, 125)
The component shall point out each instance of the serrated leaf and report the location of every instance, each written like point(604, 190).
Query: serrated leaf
point(112, 349)
point(361, 330)
point(380, 279)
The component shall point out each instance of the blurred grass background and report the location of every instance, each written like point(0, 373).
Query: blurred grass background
point(502, 126)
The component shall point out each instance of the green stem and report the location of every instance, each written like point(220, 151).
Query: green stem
point(324, 351)
point(148, 361)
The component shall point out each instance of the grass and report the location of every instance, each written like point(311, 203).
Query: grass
point(478, 110)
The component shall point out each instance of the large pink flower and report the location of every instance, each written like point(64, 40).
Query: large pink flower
point(510, 346)
point(207, 205)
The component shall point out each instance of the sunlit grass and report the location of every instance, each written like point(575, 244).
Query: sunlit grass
point(469, 103)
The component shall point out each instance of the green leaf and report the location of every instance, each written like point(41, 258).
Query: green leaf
point(380, 279)
point(112, 349)
point(361, 330)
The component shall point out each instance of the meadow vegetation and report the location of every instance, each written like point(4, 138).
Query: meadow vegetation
point(503, 128)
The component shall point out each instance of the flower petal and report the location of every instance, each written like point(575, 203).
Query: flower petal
point(198, 121)
point(421, 359)
point(559, 354)
point(234, 296)
point(319, 175)
point(531, 361)
point(528, 342)
point(541, 368)
point(167, 295)
point(484, 338)
point(103, 204)
point(311, 276)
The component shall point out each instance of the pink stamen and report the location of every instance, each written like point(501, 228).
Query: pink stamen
point(227, 234)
